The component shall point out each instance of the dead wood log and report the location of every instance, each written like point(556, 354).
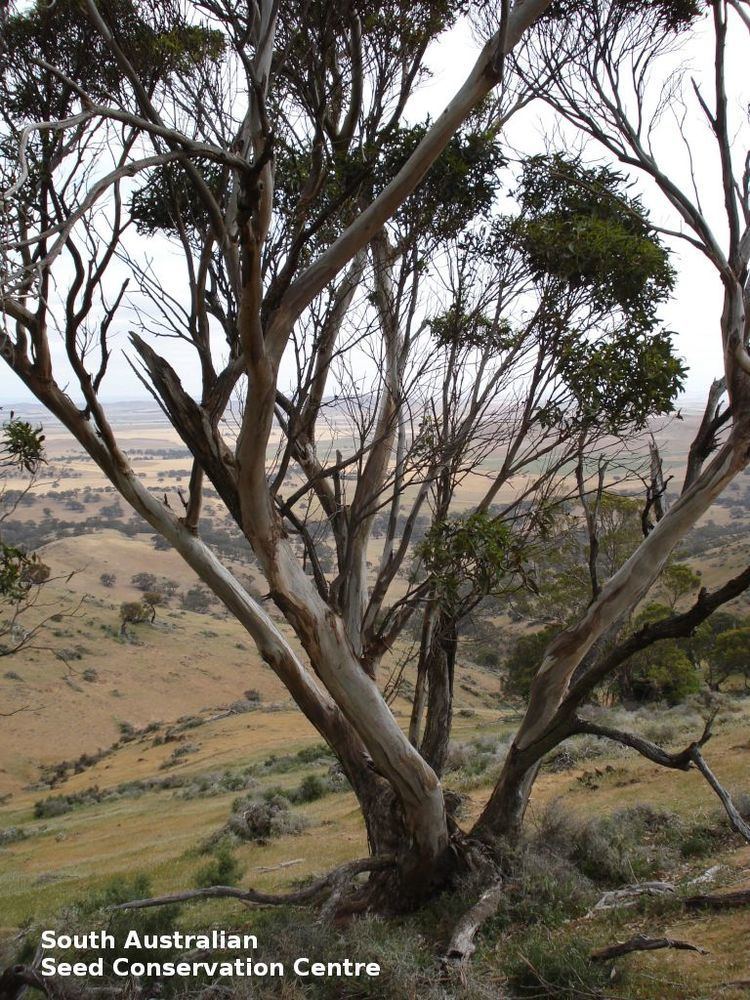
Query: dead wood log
point(630, 894)
point(461, 946)
point(307, 894)
point(281, 864)
point(718, 901)
point(642, 943)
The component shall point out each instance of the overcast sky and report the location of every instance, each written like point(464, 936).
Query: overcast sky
point(695, 308)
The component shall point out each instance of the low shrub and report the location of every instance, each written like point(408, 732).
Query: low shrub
point(540, 965)
point(11, 835)
point(264, 819)
point(222, 869)
point(630, 845)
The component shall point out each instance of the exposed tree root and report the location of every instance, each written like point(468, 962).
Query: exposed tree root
point(642, 943)
point(308, 894)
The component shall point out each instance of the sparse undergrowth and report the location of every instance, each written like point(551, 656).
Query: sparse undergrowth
point(538, 944)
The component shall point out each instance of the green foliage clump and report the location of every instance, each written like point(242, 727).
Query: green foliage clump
point(460, 186)
point(468, 555)
point(471, 329)
point(169, 201)
point(731, 655)
point(22, 449)
point(669, 15)
point(590, 244)
point(222, 869)
point(579, 225)
point(525, 659)
point(624, 380)
point(157, 44)
point(22, 445)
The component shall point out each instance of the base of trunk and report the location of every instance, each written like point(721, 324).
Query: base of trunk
point(414, 881)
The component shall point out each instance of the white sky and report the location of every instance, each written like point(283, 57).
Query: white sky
point(694, 311)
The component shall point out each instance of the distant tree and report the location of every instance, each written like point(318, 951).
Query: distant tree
point(197, 599)
point(107, 580)
point(144, 581)
point(701, 645)
point(730, 656)
point(523, 663)
point(152, 599)
point(663, 672)
point(132, 613)
point(678, 580)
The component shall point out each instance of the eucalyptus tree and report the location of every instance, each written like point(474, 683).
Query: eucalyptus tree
point(268, 143)
point(267, 135)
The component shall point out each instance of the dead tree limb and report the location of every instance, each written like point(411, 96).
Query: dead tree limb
point(305, 895)
point(642, 943)
point(690, 757)
point(718, 901)
point(681, 761)
point(461, 946)
point(738, 823)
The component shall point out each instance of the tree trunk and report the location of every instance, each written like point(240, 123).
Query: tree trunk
point(503, 815)
point(439, 670)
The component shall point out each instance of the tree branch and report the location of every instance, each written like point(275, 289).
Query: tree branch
point(305, 895)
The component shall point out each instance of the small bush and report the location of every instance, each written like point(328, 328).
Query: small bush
point(222, 869)
point(541, 966)
point(312, 788)
point(12, 835)
point(55, 805)
point(261, 820)
point(630, 845)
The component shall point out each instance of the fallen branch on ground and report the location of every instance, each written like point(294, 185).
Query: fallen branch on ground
point(718, 901)
point(461, 946)
point(630, 894)
point(281, 864)
point(642, 943)
point(305, 895)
